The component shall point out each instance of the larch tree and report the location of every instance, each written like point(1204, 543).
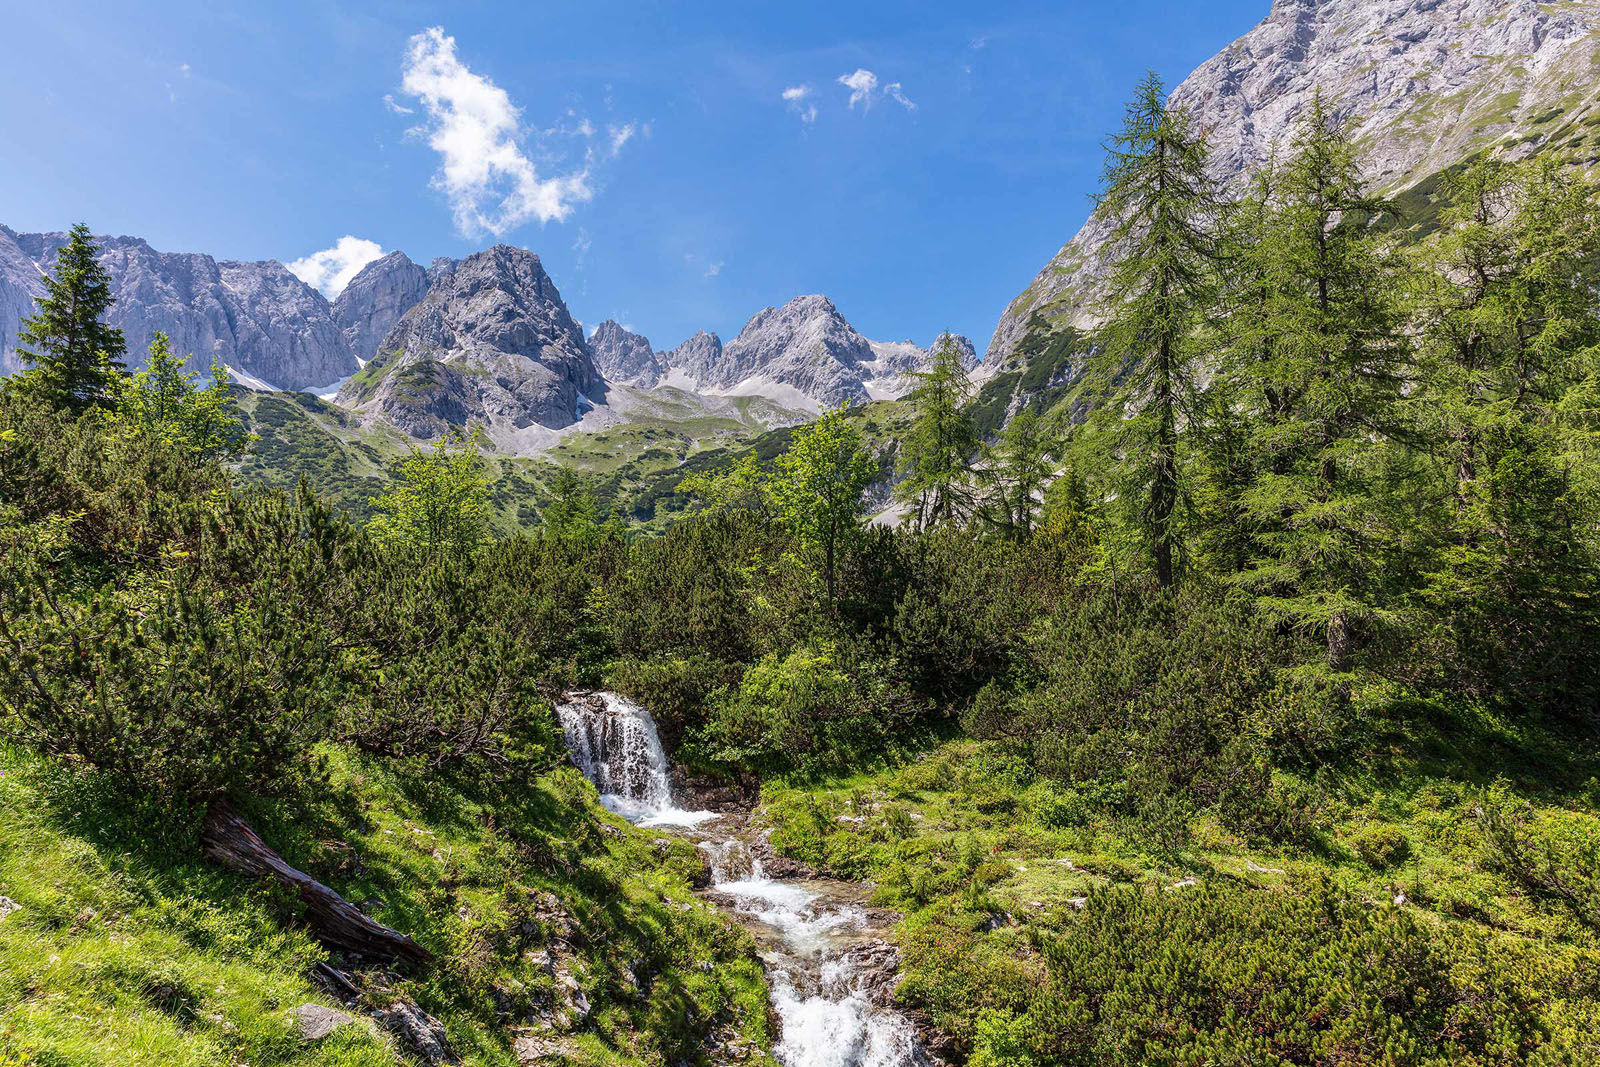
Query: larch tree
point(1163, 208)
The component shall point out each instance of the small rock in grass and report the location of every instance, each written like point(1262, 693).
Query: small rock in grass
point(317, 1021)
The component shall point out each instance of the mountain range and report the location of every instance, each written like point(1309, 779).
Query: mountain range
point(1424, 85)
point(486, 339)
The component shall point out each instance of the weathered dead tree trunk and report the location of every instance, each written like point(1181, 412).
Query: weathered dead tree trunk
point(230, 842)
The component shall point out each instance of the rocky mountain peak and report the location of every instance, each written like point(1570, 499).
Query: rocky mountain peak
point(624, 356)
point(376, 298)
point(257, 318)
point(492, 341)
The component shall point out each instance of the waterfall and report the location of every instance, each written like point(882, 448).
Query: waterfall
point(810, 931)
point(614, 742)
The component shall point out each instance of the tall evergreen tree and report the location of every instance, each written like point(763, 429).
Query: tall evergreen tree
point(1016, 469)
point(1506, 315)
point(1317, 366)
point(75, 356)
point(936, 456)
point(1164, 208)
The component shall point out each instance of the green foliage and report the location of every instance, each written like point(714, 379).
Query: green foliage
point(162, 401)
point(1163, 208)
point(75, 357)
point(438, 502)
point(936, 452)
point(1380, 847)
point(817, 488)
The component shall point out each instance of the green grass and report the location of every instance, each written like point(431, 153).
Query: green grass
point(130, 948)
point(986, 862)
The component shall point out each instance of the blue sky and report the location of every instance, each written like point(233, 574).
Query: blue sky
point(676, 165)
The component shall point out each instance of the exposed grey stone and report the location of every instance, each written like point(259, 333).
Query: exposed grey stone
point(421, 1032)
point(802, 353)
point(623, 356)
point(492, 342)
point(377, 298)
point(317, 1021)
point(255, 317)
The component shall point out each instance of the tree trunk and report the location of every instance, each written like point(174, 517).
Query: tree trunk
point(230, 842)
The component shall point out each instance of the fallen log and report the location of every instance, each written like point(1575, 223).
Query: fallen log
point(229, 841)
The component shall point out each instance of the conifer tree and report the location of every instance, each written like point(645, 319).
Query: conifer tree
point(935, 456)
point(76, 357)
point(1017, 467)
point(1163, 208)
point(1317, 364)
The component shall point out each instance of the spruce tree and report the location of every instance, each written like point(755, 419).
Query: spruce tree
point(1017, 468)
point(1163, 208)
point(935, 457)
point(76, 357)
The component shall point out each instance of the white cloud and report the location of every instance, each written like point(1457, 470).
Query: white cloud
point(796, 97)
point(183, 68)
point(621, 135)
point(895, 93)
point(489, 180)
point(714, 270)
point(398, 109)
point(331, 269)
point(862, 84)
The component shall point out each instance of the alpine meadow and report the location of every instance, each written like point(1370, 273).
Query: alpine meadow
point(396, 669)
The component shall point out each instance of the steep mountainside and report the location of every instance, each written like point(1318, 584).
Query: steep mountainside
point(257, 318)
point(492, 340)
point(1424, 84)
point(367, 309)
point(624, 356)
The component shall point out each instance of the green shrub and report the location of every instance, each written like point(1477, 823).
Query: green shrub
point(1380, 846)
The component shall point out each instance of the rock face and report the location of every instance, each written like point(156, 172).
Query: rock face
point(19, 285)
point(802, 354)
point(492, 341)
point(255, 317)
point(623, 356)
point(376, 299)
point(1422, 83)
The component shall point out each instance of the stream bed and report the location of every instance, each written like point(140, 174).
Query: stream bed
point(823, 947)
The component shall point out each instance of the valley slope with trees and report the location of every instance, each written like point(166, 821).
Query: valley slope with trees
point(1232, 700)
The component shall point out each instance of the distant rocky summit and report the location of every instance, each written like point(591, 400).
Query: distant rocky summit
point(624, 356)
point(377, 298)
point(492, 341)
point(804, 354)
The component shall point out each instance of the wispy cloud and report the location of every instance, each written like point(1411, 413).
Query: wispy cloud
point(714, 269)
point(797, 97)
point(397, 108)
point(895, 93)
point(331, 269)
point(862, 84)
point(484, 171)
point(621, 135)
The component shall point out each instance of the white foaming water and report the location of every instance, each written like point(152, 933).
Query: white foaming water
point(833, 1023)
point(618, 748)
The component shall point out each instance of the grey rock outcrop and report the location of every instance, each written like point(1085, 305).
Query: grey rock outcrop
point(19, 285)
point(1423, 84)
point(803, 353)
point(255, 317)
point(623, 356)
point(377, 298)
point(492, 341)
point(317, 1021)
point(697, 358)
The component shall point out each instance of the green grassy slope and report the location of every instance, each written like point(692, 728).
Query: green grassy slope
point(129, 948)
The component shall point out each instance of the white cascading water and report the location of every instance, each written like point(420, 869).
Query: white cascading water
point(828, 1021)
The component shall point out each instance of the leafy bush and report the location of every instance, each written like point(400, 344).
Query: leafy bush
point(1380, 847)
